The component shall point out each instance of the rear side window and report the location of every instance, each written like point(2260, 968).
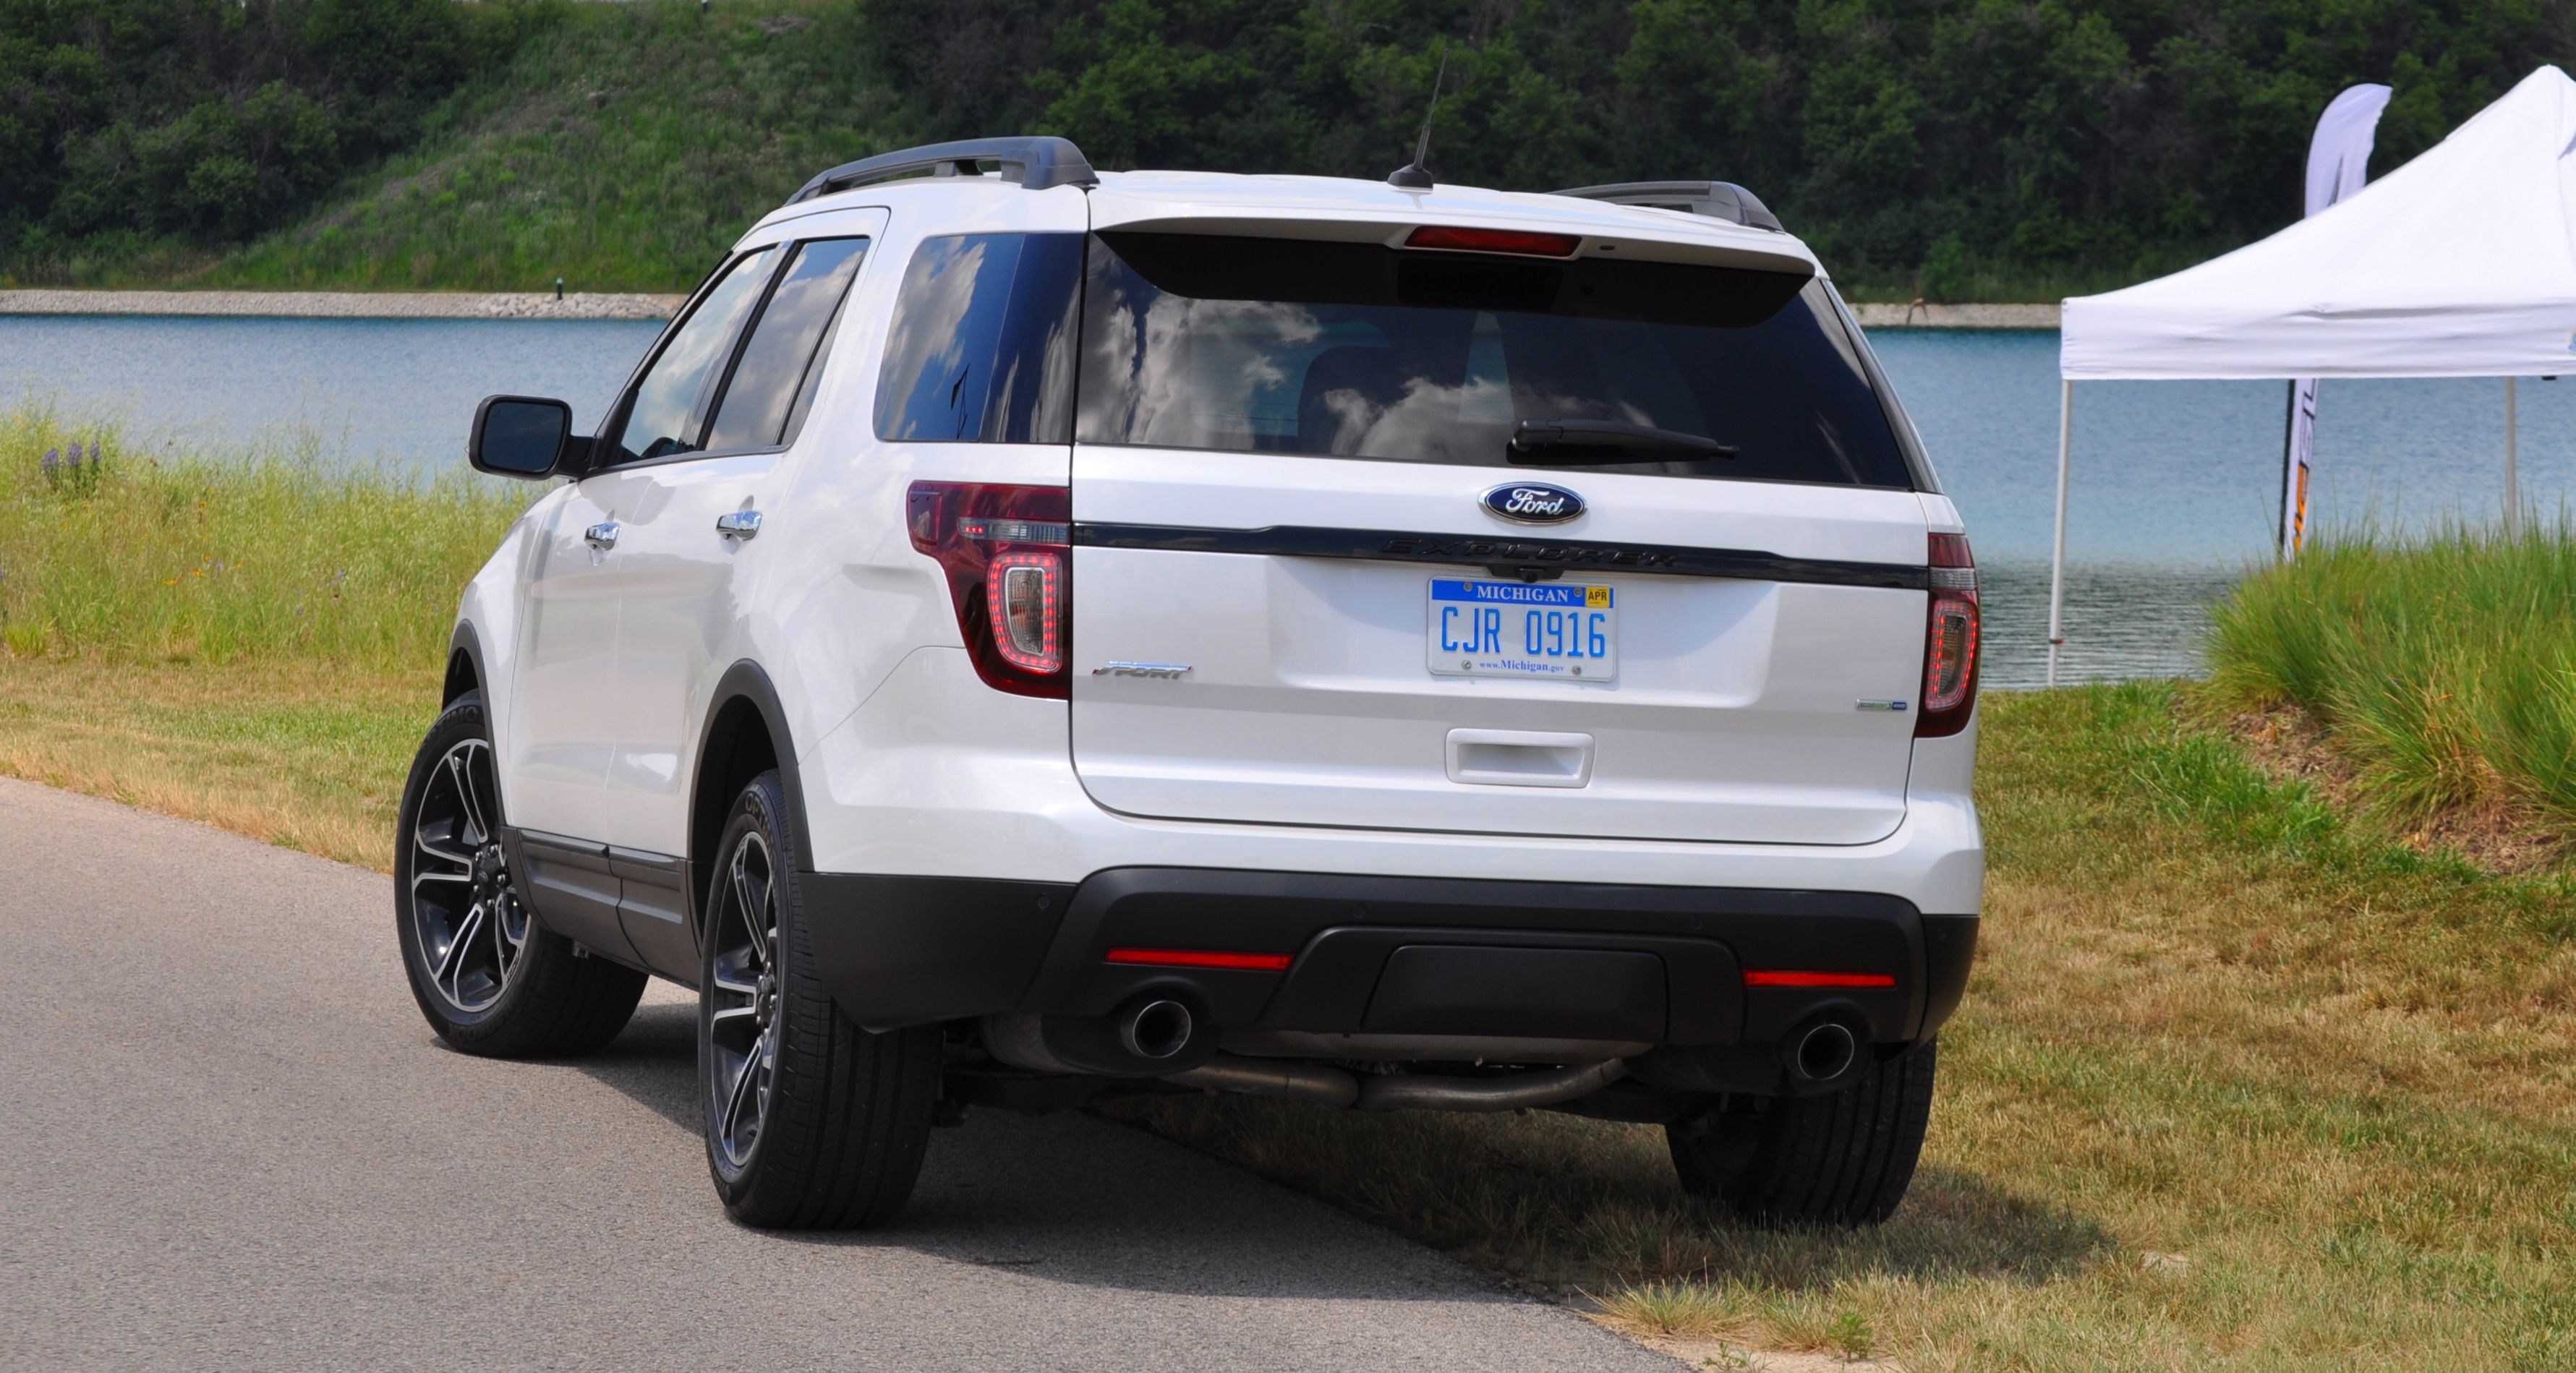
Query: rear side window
point(1361, 351)
point(982, 345)
point(657, 422)
point(764, 403)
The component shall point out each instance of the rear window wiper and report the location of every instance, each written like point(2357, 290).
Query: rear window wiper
point(1570, 443)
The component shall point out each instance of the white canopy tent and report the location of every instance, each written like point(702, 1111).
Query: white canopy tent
point(2462, 263)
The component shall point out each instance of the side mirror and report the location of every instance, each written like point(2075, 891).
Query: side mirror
point(521, 436)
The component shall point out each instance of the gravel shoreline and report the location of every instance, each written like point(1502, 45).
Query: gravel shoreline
point(591, 305)
point(344, 304)
point(1884, 316)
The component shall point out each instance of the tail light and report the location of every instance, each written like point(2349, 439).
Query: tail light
point(1949, 640)
point(1008, 553)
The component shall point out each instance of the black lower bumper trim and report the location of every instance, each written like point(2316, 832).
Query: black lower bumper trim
point(901, 951)
point(1389, 955)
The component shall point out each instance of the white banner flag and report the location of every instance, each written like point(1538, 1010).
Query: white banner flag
point(2338, 164)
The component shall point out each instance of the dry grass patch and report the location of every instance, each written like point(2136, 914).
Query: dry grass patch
point(2499, 831)
point(307, 758)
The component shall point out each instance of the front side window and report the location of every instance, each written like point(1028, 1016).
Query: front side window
point(657, 420)
point(1362, 351)
point(773, 383)
point(981, 349)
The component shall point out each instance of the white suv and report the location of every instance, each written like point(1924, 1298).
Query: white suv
point(1026, 635)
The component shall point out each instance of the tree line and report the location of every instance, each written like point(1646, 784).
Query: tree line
point(211, 119)
point(1918, 143)
point(1915, 139)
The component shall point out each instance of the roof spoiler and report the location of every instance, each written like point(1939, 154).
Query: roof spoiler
point(1037, 163)
point(1716, 199)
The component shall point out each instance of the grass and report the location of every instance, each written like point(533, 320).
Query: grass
point(2238, 1083)
point(2234, 1086)
point(254, 642)
point(623, 148)
point(271, 558)
point(2442, 671)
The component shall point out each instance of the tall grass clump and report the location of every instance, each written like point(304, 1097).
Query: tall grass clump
point(2443, 669)
point(109, 556)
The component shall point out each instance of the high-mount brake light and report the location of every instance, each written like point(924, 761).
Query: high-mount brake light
point(1008, 553)
point(1525, 242)
point(1949, 639)
point(1203, 958)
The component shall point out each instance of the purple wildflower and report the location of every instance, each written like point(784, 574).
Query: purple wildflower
point(53, 460)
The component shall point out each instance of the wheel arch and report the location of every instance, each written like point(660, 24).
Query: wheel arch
point(745, 734)
point(464, 665)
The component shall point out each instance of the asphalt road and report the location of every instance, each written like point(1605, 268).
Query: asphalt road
point(231, 1142)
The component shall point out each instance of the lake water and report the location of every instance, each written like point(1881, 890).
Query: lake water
point(2175, 483)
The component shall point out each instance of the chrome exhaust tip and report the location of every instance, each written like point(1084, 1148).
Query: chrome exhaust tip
point(1157, 1029)
point(1825, 1052)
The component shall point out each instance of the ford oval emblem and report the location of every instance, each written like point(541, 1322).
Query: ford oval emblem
point(1534, 503)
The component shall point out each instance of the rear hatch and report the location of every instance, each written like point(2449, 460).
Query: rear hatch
point(1520, 543)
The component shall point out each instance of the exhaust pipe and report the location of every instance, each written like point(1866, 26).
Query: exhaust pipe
point(1156, 1029)
point(1824, 1052)
point(1335, 1089)
point(1327, 1087)
point(1520, 1090)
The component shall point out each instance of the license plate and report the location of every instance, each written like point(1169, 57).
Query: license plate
point(1523, 629)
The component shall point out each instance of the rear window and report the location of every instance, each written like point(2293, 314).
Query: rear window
point(1361, 351)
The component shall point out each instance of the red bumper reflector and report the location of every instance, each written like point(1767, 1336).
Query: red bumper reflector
point(1522, 241)
point(1774, 977)
point(1204, 958)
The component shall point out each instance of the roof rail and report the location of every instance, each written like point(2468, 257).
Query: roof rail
point(1716, 199)
point(1038, 164)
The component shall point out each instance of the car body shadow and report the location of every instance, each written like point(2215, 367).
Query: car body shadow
point(1195, 1216)
point(1076, 1199)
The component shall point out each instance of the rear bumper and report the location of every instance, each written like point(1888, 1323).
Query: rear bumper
point(1664, 966)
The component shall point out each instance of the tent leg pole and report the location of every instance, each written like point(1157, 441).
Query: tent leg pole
point(2057, 561)
point(2512, 479)
point(2287, 528)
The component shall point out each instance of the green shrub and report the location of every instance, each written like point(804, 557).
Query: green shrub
point(2445, 668)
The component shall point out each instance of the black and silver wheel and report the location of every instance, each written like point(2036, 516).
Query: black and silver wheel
point(742, 1001)
point(811, 1122)
point(489, 979)
point(465, 912)
point(1841, 1159)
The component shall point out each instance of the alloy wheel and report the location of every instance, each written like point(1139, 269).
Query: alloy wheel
point(472, 927)
point(742, 1018)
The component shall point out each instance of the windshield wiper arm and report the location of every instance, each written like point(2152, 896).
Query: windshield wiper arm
point(1570, 443)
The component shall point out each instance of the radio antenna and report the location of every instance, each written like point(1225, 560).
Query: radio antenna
point(1413, 176)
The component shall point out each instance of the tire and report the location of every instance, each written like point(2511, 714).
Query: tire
point(1842, 1159)
point(490, 980)
point(811, 1122)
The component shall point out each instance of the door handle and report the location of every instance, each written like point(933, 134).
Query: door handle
point(602, 536)
point(741, 524)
